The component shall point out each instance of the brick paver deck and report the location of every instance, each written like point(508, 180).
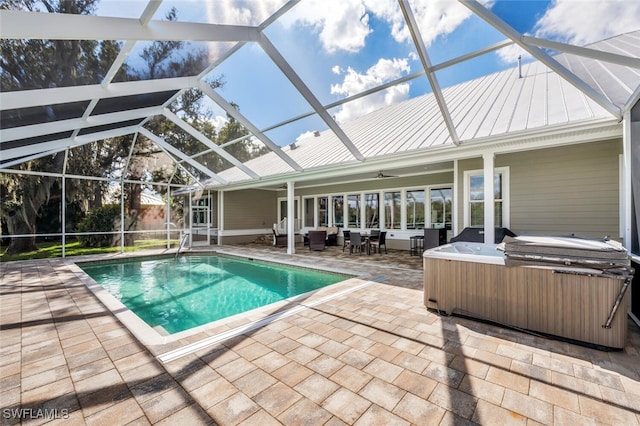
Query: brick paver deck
point(372, 356)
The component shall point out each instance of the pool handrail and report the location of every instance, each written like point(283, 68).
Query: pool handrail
point(182, 241)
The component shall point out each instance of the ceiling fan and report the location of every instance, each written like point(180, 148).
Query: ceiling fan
point(381, 175)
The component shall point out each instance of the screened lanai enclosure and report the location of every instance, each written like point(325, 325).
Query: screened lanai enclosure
point(169, 122)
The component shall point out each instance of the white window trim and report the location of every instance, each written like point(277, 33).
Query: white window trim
point(299, 202)
point(406, 205)
point(506, 199)
point(383, 207)
point(427, 208)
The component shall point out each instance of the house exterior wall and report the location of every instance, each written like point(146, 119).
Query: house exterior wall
point(564, 190)
point(250, 210)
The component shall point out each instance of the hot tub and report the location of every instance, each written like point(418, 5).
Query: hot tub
point(575, 303)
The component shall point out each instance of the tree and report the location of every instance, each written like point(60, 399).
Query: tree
point(34, 64)
point(31, 64)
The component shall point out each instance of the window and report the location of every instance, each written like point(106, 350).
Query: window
point(201, 212)
point(323, 213)
point(474, 196)
point(392, 209)
point(441, 202)
point(282, 210)
point(372, 210)
point(353, 202)
point(415, 209)
point(308, 212)
point(338, 210)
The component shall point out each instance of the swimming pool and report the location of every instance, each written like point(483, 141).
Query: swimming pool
point(176, 294)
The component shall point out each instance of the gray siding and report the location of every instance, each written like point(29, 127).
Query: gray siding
point(559, 191)
point(250, 209)
point(566, 190)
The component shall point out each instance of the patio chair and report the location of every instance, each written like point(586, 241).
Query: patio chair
point(355, 242)
point(381, 241)
point(346, 241)
point(374, 235)
point(317, 240)
point(279, 240)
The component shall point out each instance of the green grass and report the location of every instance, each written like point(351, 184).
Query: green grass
point(54, 249)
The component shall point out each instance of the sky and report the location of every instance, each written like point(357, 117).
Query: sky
point(343, 47)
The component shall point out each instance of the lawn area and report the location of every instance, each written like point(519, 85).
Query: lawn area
point(54, 249)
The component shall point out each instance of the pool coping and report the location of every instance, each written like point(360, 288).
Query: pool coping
point(172, 346)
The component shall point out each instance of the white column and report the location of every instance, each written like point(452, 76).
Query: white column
point(190, 210)
point(625, 202)
point(209, 202)
point(220, 216)
point(168, 215)
point(63, 219)
point(382, 214)
point(489, 202)
point(291, 239)
point(454, 199)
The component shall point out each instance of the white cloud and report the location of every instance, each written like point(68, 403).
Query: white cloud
point(583, 22)
point(218, 122)
point(580, 23)
point(240, 12)
point(510, 54)
point(353, 83)
point(434, 17)
point(305, 135)
point(336, 69)
point(340, 24)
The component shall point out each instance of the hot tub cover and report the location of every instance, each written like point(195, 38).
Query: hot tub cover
point(604, 255)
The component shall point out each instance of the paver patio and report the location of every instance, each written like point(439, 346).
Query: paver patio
point(371, 356)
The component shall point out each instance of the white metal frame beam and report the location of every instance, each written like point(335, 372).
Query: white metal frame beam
point(426, 64)
point(62, 26)
point(62, 144)
point(599, 55)
point(233, 112)
point(206, 141)
point(76, 123)
point(306, 93)
point(181, 155)
point(60, 95)
point(543, 57)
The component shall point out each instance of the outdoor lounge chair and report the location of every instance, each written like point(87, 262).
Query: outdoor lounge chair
point(317, 240)
point(279, 240)
point(378, 243)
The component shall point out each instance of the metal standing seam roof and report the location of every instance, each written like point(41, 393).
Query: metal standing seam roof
point(601, 81)
point(490, 106)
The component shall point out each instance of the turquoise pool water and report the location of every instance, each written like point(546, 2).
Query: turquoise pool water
point(179, 294)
